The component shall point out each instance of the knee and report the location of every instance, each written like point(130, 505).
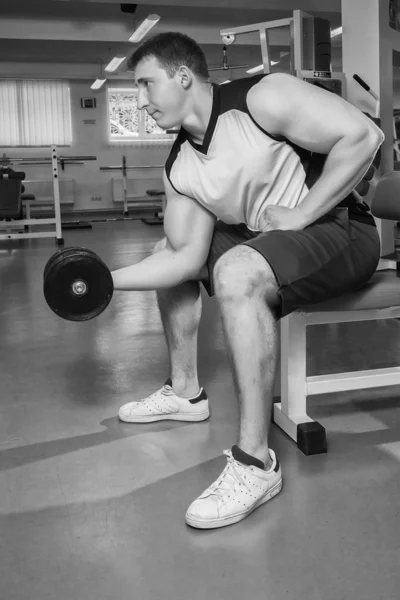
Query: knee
point(243, 273)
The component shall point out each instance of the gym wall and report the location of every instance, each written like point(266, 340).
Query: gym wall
point(92, 139)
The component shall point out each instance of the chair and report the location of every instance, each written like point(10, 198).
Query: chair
point(378, 299)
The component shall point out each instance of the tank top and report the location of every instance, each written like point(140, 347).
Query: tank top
point(240, 168)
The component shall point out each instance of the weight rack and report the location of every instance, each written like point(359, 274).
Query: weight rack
point(26, 224)
point(124, 168)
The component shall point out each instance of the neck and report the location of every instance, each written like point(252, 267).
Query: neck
point(198, 117)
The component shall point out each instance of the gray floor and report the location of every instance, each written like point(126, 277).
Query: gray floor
point(93, 509)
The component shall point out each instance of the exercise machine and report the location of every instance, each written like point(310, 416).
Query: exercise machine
point(27, 223)
point(142, 200)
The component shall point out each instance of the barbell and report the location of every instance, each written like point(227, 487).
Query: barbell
point(77, 285)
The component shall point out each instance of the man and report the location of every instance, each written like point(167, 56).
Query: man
point(247, 217)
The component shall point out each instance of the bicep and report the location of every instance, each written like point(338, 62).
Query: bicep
point(307, 115)
point(188, 226)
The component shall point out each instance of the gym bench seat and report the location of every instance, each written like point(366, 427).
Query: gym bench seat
point(378, 299)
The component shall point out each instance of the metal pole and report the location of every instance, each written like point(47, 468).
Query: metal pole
point(303, 40)
point(292, 67)
point(265, 50)
point(47, 162)
point(297, 40)
point(7, 160)
point(121, 167)
point(255, 27)
point(56, 189)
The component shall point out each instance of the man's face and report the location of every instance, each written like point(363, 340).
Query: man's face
point(160, 95)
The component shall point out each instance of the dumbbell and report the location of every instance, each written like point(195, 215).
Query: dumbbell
point(77, 285)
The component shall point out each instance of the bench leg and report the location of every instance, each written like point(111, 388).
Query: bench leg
point(28, 215)
point(291, 412)
point(125, 184)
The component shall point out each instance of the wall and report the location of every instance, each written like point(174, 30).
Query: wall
point(92, 140)
point(396, 91)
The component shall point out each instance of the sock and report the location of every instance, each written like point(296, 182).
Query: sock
point(245, 458)
point(200, 396)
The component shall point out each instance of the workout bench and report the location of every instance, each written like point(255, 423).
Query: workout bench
point(378, 299)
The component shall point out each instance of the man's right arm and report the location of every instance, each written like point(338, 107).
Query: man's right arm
point(188, 229)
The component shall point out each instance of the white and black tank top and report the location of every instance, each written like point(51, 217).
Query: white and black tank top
point(240, 168)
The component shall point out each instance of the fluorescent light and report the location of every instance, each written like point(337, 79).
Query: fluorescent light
point(97, 84)
point(144, 28)
point(115, 63)
point(256, 69)
point(337, 31)
point(261, 67)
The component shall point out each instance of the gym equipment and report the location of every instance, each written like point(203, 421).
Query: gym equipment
point(53, 160)
point(225, 66)
point(43, 160)
point(10, 193)
point(158, 218)
point(124, 168)
point(76, 225)
point(77, 285)
point(310, 47)
point(368, 89)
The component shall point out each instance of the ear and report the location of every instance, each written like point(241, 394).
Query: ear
point(185, 77)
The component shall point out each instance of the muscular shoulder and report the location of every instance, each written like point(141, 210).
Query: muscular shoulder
point(277, 86)
point(273, 98)
point(308, 115)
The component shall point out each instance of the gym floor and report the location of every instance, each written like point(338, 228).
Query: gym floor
point(92, 508)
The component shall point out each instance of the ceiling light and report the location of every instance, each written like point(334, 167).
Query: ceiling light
point(256, 69)
point(144, 28)
point(97, 84)
point(261, 67)
point(115, 63)
point(337, 31)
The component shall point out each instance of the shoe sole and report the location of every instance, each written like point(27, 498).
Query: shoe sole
point(168, 417)
point(199, 524)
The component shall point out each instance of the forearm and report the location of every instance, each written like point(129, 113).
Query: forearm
point(344, 168)
point(163, 269)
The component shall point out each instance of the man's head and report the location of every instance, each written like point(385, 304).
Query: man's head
point(166, 67)
point(172, 50)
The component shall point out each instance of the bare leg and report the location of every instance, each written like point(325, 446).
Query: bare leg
point(247, 291)
point(180, 309)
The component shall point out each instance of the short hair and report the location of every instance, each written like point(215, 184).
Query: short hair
point(172, 50)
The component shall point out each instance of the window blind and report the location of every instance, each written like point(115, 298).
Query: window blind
point(35, 113)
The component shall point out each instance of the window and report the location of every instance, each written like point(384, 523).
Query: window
point(35, 113)
point(128, 123)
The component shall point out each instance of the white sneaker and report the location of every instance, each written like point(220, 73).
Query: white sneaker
point(240, 489)
point(165, 404)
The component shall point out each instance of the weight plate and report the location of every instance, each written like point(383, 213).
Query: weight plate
point(64, 275)
point(63, 253)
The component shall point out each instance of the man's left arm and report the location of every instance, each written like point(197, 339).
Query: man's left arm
point(322, 122)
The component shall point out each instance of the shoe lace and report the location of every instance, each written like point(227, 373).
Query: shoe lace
point(166, 390)
point(229, 477)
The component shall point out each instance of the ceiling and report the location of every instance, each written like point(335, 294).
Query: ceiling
point(93, 31)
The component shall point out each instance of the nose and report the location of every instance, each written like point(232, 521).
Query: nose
point(142, 99)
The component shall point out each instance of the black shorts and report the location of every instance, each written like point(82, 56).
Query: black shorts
point(338, 253)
